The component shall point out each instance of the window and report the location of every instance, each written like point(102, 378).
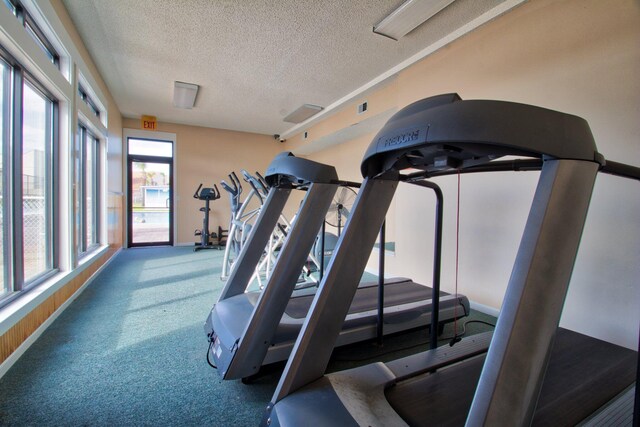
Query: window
point(11, 6)
point(27, 193)
point(36, 181)
point(91, 191)
point(82, 93)
point(145, 147)
point(87, 190)
point(4, 134)
point(34, 31)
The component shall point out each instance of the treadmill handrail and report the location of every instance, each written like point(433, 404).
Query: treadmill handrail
point(437, 259)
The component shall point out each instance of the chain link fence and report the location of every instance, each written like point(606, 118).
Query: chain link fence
point(35, 235)
point(34, 217)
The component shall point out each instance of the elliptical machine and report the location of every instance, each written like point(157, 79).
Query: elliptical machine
point(207, 194)
point(235, 190)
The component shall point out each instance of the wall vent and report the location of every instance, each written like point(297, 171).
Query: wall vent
point(362, 107)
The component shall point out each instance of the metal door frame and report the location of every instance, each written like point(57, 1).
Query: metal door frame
point(131, 158)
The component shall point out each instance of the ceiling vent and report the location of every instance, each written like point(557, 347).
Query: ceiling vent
point(184, 95)
point(303, 113)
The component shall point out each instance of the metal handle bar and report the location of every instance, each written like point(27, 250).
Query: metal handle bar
point(195, 195)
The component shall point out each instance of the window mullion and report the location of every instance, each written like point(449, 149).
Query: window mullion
point(83, 178)
point(96, 185)
point(17, 202)
point(49, 187)
point(7, 180)
point(81, 190)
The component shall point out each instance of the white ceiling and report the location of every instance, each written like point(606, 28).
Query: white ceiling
point(255, 60)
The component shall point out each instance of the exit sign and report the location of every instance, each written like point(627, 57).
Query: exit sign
point(149, 123)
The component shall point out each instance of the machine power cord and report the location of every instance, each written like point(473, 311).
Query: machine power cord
point(209, 352)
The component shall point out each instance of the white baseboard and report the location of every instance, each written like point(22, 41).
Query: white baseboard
point(484, 309)
point(13, 357)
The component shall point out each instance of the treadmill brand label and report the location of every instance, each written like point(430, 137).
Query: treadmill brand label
point(406, 136)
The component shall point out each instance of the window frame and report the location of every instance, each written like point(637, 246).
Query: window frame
point(34, 30)
point(170, 161)
point(13, 204)
point(95, 190)
point(86, 137)
point(51, 181)
point(84, 96)
point(7, 202)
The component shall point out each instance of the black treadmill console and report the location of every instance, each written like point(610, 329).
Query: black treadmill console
point(286, 169)
point(445, 132)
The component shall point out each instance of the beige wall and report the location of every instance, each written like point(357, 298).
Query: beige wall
point(581, 57)
point(206, 155)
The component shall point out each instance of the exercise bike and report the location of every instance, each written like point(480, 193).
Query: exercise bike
point(206, 194)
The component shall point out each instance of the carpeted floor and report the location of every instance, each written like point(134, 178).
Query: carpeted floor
point(131, 351)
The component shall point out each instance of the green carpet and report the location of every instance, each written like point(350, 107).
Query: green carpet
point(131, 351)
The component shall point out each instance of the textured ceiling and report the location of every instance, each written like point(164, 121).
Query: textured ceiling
point(255, 61)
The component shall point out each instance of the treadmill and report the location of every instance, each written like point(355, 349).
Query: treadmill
point(249, 329)
point(528, 371)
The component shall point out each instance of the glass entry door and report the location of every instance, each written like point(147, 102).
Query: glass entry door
point(150, 206)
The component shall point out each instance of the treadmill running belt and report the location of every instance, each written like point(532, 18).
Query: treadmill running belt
point(366, 297)
point(583, 374)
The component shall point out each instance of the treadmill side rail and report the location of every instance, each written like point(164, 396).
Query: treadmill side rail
point(303, 409)
point(357, 396)
point(420, 363)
